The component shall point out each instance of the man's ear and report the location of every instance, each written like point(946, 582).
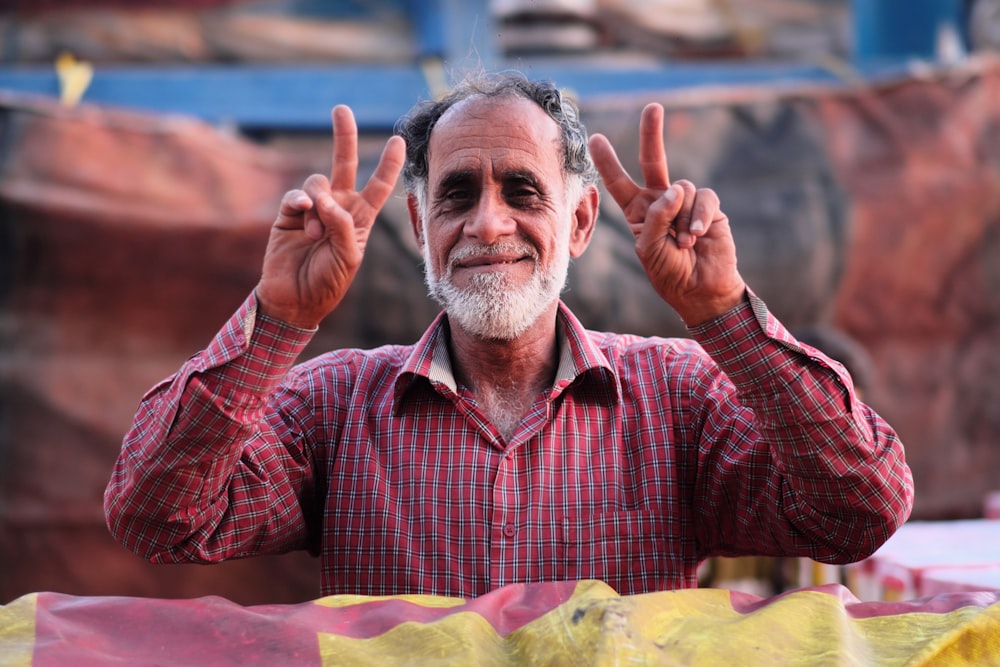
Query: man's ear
point(584, 221)
point(415, 221)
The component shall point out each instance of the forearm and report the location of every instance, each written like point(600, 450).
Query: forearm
point(189, 450)
point(837, 471)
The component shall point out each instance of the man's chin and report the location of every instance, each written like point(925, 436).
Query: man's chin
point(488, 326)
point(494, 311)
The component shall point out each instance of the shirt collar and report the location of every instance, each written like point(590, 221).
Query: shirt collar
point(580, 359)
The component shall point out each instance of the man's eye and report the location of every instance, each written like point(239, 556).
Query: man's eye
point(522, 193)
point(525, 198)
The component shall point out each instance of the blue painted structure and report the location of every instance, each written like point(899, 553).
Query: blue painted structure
point(298, 98)
point(904, 28)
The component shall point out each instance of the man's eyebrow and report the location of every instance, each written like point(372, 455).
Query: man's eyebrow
point(464, 177)
point(459, 177)
point(521, 176)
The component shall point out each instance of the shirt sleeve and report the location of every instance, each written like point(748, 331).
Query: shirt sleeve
point(201, 475)
point(791, 461)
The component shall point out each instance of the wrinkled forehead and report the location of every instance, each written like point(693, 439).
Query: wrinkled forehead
point(479, 105)
point(491, 128)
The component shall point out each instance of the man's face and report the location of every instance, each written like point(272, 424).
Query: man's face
point(496, 225)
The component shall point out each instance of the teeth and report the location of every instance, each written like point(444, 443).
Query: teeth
point(493, 262)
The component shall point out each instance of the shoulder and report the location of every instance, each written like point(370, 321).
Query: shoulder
point(630, 347)
point(675, 365)
point(598, 348)
point(351, 365)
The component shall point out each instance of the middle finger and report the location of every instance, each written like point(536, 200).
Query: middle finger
point(344, 167)
point(652, 153)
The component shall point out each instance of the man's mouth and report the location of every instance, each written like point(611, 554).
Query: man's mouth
point(496, 255)
point(489, 260)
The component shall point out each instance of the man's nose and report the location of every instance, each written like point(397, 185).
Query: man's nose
point(491, 219)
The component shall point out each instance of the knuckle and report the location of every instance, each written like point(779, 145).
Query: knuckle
point(316, 181)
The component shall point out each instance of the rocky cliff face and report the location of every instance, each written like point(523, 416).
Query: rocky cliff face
point(126, 240)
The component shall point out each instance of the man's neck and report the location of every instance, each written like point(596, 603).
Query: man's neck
point(506, 377)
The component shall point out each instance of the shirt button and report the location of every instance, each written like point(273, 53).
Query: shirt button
point(510, 530)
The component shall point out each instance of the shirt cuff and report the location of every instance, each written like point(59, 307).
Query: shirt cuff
point(745, 340)
point(255, 351)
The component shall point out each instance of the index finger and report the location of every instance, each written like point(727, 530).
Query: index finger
point(652, 153)
point(344, 166)
point(620, 185)
point(383, 179)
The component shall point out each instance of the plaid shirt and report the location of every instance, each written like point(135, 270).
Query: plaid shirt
point(645, 457)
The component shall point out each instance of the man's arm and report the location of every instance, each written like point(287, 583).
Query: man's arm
point(794, 448)
point(203, 474)
point(814, 472)
point(206, 472)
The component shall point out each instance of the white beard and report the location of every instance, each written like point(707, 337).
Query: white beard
point(491, 307)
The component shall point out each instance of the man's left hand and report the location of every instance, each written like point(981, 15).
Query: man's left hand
point(682, 237)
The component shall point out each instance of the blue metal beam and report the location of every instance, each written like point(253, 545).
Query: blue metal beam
point(905, 28)
point(298, 98)
point(258, 97)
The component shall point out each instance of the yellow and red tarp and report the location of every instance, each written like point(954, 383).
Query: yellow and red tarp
point(561, 623)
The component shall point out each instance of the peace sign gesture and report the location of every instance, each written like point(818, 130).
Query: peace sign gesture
point(319, 237)
point(682, 237)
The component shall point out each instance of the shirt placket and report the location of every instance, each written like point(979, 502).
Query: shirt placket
point(508, 534)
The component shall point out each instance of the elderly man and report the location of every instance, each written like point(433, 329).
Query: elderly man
point(509, 444)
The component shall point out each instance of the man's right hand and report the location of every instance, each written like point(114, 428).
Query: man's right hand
point(319, 238)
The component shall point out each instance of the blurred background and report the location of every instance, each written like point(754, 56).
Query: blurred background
point(855, 145)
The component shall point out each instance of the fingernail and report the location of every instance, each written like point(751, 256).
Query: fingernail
point(697, 226)
point(670, 194)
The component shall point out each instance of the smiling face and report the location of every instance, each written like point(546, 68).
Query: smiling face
point(500, 222)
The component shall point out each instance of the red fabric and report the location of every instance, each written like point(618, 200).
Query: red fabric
point(579, 623)
point(644, 459)
point(82, 631)
point(944, 603)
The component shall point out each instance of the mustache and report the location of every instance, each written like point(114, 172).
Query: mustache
point(498, 248)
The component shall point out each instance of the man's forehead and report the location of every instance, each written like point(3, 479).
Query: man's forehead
point(499, 131)
point(478, 106)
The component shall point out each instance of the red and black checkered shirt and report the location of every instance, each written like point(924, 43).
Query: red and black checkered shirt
point(645, 457)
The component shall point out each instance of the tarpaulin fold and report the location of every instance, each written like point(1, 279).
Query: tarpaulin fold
point(559, 623)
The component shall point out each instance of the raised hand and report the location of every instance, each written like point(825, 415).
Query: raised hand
point(319, 237)
point(682, 237)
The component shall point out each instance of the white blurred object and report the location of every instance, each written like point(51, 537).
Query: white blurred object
point(691, 19)
point(506, 8)
point(984, 25)
point(545, 26)
point(774, 28)
point(949, 48)
point(991, 505)
point(919, 549)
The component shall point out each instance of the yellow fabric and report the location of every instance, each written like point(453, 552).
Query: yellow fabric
point(692, 627)
point(805, 628)
point(17, 632)
point(592, 625)
point(436, 601)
